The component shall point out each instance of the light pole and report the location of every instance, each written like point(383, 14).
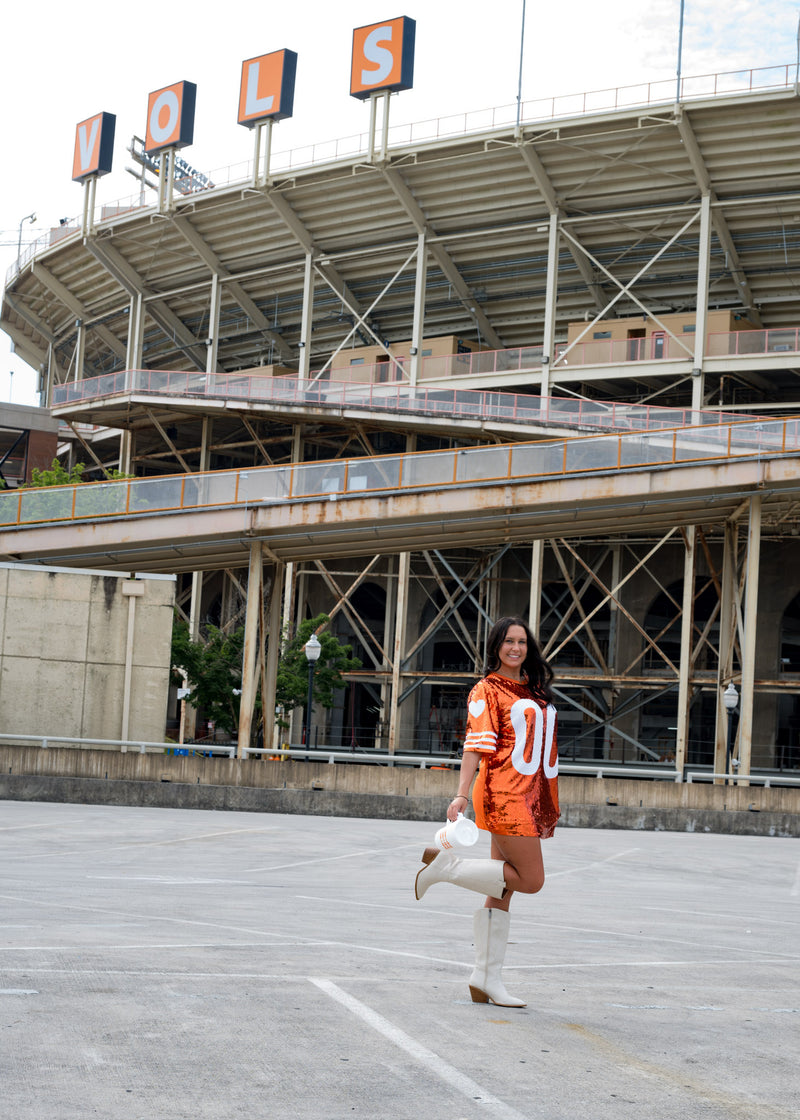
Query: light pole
point(22, 221)
point(312, 649)
point(730, 698)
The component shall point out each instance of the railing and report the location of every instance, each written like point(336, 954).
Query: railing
point(776, 340)
point(730, 82)
point(421, 471)
point(463, 404)
point(599, 769)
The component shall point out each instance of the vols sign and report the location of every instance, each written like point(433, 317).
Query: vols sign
point(94, 145)
point(267, 89)
point(383, 57)
point(170, 117)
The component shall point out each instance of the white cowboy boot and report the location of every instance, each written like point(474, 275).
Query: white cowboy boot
point(491, 938)
point(482, 875)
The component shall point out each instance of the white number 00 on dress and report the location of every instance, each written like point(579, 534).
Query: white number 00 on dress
point(544, 726)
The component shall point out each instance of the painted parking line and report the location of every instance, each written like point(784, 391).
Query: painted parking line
point(455, 1078)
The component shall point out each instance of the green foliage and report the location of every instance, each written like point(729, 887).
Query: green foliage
point(334, 659)
point(213, 668)
point(58, 475)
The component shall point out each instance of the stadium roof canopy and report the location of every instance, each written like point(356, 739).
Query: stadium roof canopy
point(625, 185)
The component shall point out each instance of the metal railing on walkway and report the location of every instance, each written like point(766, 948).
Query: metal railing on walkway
point(421, 471)
point(398, 397)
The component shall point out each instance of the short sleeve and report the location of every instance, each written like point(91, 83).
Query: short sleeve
point(482, 725)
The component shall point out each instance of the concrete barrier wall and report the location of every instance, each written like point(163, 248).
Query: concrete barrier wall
point(109, 777)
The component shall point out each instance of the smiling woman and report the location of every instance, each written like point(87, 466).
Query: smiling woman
point(511, 745)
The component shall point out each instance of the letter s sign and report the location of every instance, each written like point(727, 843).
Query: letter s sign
point(383, 57)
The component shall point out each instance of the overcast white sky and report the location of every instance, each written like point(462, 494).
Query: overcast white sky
point(64, 62)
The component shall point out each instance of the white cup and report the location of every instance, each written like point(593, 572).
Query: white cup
point(460, 833)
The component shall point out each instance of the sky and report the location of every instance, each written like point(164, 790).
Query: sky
point(69, 62)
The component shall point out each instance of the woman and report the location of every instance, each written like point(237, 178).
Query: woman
point(511, 745)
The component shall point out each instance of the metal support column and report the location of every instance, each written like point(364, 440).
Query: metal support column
point(551, 296)
point(273, 655)
point(79, 353)
point(703, 270)
point(304, 364)
point(418, 329)
point(727, 629)
point(401, 620)
point(687, 649)
point(212, 345)
point(749, 638)
point(535, 602)
point(250, 652)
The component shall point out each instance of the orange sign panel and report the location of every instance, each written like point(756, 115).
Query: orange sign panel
point(383, 57)
point(94, 146)
point(170, 117)
point(267, 88)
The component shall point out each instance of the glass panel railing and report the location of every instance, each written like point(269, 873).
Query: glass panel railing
point(701, 443)
point(319, 478)
point(9, 506)
point(482, 463)
point(374, 474)
point(434, 469)
point(591, 455)
point(46, 504)
point(645, 448)
point(534, 459)
point(101, 499)
point(268, 484)
point(157, 493)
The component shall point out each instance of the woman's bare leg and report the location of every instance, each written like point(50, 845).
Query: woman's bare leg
point(524, 869)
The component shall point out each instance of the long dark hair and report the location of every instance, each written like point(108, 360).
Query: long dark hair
point(534, 666)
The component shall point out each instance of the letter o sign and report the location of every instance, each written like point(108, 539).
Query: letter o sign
point(170, 117)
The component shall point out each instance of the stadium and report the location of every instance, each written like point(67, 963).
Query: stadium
point(543, 364)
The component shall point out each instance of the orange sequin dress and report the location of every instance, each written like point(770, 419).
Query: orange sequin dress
point(516, 790)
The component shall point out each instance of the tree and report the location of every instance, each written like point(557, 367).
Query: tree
point(213, 671)
point(213, 668)
point(334, 659)
point(58, 475)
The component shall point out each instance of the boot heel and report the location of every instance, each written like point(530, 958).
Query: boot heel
point(429, 855)
point(477, 995)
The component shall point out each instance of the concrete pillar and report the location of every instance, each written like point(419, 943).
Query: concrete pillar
point(80, 350)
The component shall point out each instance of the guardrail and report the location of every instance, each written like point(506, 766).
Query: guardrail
point(333, 755)
point(765, 780)
point(142, 746)
point(335, 479)
point(460, 404)
point(726, 83)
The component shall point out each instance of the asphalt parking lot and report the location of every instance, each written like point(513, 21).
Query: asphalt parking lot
point(159, 964)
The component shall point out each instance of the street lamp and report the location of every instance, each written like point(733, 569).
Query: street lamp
point(730, 698)
point(312, 649)
point(22, 221)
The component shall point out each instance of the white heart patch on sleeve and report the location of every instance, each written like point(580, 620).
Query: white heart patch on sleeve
point(476, 707)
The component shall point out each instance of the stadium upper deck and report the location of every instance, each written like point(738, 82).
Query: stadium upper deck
point(502, 237)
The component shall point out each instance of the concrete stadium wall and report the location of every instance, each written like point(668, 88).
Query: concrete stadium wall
point(64, 650)
point(194, 782)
